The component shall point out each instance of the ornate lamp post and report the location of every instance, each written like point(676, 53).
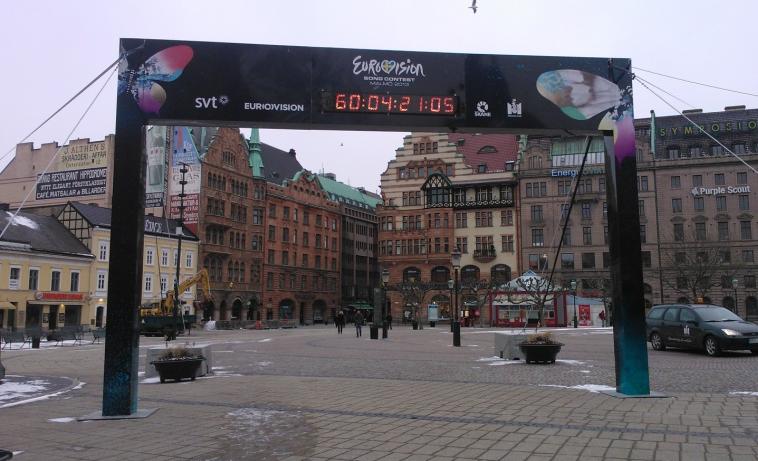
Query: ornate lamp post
point(179, 233)
point(573, 289)
point(385, 280)
point(734, 285)
point(451, 286)
point(455, 259)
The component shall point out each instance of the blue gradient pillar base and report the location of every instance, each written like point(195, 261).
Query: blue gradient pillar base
point(651, 395)
point(98, 415)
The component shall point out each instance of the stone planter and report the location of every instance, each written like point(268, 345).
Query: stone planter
point(540, 353)
point(507, 345)
point(178, 369)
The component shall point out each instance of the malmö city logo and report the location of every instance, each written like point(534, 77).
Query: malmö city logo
point(482, 109)
point(514, 108)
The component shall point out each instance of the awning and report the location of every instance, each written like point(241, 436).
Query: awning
point(6, 305)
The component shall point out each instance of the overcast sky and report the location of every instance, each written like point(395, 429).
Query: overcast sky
point(51, 49)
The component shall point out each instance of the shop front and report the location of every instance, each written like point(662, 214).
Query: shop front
point(52, 310)
point(7, 315)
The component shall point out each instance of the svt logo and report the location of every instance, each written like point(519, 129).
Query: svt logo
point(211, 103)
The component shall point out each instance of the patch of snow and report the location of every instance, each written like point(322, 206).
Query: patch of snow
point(584, 371)
point(254, 417)
point(263, 364)
point(504, 362)
point(571, 362)
point(78, 386)
point(14, 390)
point(209, 325)
point(22, 221)
point(219, 368)
point(489, 359)
point(755, 394)
point(223, 352)
point(594, 388)
point(141, 373)
point(472, 345)
point(152, 380)
point(62, 420)
point(264, 340)
point(477, 368)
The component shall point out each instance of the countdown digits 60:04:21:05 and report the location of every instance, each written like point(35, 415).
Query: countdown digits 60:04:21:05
point(389, 103)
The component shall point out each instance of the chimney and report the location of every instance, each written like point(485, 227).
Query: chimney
point(731, 108)
point(331, 176)
point(692, 111)
point(292, 152)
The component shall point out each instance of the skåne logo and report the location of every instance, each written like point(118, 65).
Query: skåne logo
point(482, 109)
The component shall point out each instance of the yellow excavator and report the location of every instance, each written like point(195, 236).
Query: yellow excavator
point(157, 318)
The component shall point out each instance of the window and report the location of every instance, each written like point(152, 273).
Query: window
point(739, 148)
point(189, 256)
point(258, 216)
point(567, 260)
point(726, 281)
point(747, 256)
point(272, 211)
point(462, 244)
point(285, 234)
point(643, 184)
point(537, 262)
point(725, 256)
point(746, 230)
point(672, 152)
point(536, 213)
point(506, 217)
point(149, 256)
point(641, 204)
point(461, 220)
point(565, 210)
point(587, 235)
point(750, 281)
point(646, 259)
point(74, 281)
point(695, 151)
point(606, 260)
point(698, 203)
point(676, 182)
point(697, 180)
point(676, 205)
point(14, 279)
point(305, 260)
point(678, 232)
point(271, 233)
point(567, 237)
point(55, 280)
point(101, 280)
point(102, 254)
point(507, 243)
point(744, 202)
point(721, 203)
point(718, 179)
point(716, 150)
point(588, 260)
point(164, 257)
point(148, 283)
point(285, 258)
point(564, 186)
point(176, 258)
point(643, 234)
point(538, 238)
point(33, 279)
point(723, 230)
point(742, 178)
point(700, 233)
point(585, 185)
point(680, 257)
point(164, 284)
point(484, 218)
point(586, 210)
point(271, 256)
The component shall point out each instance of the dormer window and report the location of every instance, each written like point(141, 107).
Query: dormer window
point(488, 150)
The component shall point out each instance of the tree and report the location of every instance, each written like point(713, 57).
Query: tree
point(694, 267)
point(534, 291)
point(413, 293)
point(480, 291)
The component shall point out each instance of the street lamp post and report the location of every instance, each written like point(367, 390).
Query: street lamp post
point(573, 288)
point(451, 286)
point(455, 259)
point(385, 280)
point(734, 285)
point(179, 233)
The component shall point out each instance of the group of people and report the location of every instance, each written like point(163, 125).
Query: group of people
point(340, 321)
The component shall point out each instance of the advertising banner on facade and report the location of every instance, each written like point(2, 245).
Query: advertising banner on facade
point(81, 169)
point(155, 179)
point(184, 153)
point(585, 315)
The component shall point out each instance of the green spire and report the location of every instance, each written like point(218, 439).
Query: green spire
point(254, 153)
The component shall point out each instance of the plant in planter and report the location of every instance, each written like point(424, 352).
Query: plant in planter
point(178, 363)
point(540, 348)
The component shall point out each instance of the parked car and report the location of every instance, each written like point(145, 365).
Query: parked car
point(700, 326)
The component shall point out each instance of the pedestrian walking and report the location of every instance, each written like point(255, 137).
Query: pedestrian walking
point(340, 322)
point(358, 323)
point(389, 320)
point(602, 316)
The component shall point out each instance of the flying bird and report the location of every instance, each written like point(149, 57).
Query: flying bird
point(473, 6)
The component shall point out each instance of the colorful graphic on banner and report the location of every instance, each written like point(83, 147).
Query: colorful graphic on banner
point(184, 153)
point(155, 180)
point(585, 315)
point(81, 169)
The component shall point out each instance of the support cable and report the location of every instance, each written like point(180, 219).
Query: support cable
point(695, 83)
point(55, 156)
point(645, 84)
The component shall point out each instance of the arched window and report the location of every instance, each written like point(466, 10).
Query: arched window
point(500, 274)
point(469, 274)
point(411, 273)
point(440, 275)
point(751, 308)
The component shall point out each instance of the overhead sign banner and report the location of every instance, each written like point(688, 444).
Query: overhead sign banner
point(262, 84)
point(81, 169)
point(155, 179)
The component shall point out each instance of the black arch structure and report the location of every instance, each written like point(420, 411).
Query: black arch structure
point(220, 84)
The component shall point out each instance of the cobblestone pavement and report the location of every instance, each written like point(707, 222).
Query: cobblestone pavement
point(309, 393)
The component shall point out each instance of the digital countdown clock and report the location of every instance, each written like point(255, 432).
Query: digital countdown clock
point(383, 103)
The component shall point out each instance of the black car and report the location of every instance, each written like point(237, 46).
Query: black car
point(700, 326)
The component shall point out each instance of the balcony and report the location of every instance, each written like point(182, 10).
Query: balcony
point(485, 256)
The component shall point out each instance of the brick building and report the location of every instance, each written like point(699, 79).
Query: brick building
point(445, 191)
point(301, 269)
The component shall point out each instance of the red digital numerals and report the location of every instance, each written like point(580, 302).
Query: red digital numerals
point(385, 103)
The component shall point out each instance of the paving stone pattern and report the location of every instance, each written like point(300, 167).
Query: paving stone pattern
point(310, 394)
